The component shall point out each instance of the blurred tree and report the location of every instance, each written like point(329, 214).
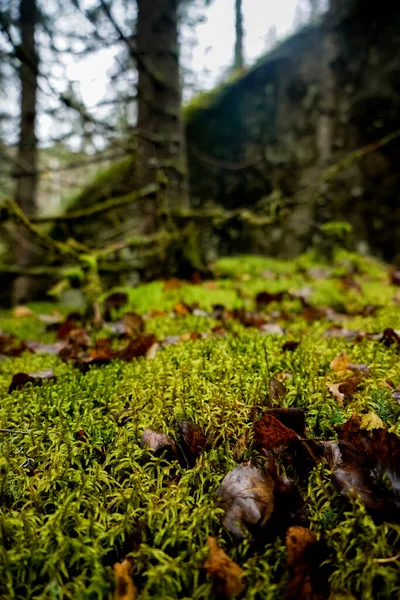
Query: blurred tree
point(25, 171)
point(161, 145)
point(239, 36)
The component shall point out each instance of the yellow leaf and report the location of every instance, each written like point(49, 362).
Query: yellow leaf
point(341, 362)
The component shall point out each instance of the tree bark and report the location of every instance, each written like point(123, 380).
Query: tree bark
point(26, 162)
point(161, 151)
point(239, 40)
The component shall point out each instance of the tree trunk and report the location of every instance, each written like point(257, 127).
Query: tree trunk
point(161, 152)
point(26, 163)
point(239, 53)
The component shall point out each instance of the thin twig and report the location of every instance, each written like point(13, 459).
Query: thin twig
point(383, 561)
point(20, 431)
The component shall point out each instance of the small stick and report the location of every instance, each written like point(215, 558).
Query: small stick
point(382, 561)
point(15, 431)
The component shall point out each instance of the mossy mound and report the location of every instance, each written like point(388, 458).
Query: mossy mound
point(72, 506)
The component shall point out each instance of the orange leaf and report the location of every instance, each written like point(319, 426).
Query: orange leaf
point(124, 587)
point(226, 574)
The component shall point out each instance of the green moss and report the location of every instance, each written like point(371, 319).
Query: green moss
point(109, 182)
point(89, 503)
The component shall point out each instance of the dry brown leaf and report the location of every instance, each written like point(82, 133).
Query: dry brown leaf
point(21, 379)
point(271, 435)
point(124, 587)
point(227, 576)
point(302, 559)
point(294, 418)
point(276, 390)
point(340, 363)
point(344, 363)
point(182, 309)
point(172, 284)
point(247, 497)
point(344, 389)
point(193, 436)
point(158, 442)
point(137, 347)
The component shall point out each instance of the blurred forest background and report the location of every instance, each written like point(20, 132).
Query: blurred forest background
point(175, 163)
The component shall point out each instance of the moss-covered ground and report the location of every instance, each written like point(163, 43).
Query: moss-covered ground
point(72, 506)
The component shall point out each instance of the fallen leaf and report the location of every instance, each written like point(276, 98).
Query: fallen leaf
point(349, 283)
point(114, 301)
point(249, 318)
point(271, 435)
point(227, 576)
point(303, 559)
point(340, 363)
point(368, 456)
point(171, 284)
point(390, 337)
point(137, 347)
point(182, 309)
point(39, 348)
point(191, 336)
point(294, 418)
point(153, 350)
point(71, 322)
point(313, 313)
point(337, 331)
point(344, 363)
point(344, 389)
point(247, 497)
point(271, 329)
point(9, 345)
point(276, 390)
point(159, 443)
point(134, 324)
point(193, 436)
point(290, 346)
point(264, 298)
point(21, 312)
point(21, 379)
point(124, 587)
point(304, 295)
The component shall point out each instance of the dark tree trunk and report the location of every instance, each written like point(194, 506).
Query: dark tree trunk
point(161, 152)
point(26, 162)
point(239, 53)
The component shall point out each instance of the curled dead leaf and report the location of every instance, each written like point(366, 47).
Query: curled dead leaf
point(21, 379)
point(271, 435)
point(290, 346)
point(294, 418)
point(227, 576)
point(159, 443)
point(137, 347)
point(247, 497)
point(193, 436)
point(303, 559)
point(124, 587)
point(344, 389)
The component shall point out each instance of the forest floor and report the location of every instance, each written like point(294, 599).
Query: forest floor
point(117, 440)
